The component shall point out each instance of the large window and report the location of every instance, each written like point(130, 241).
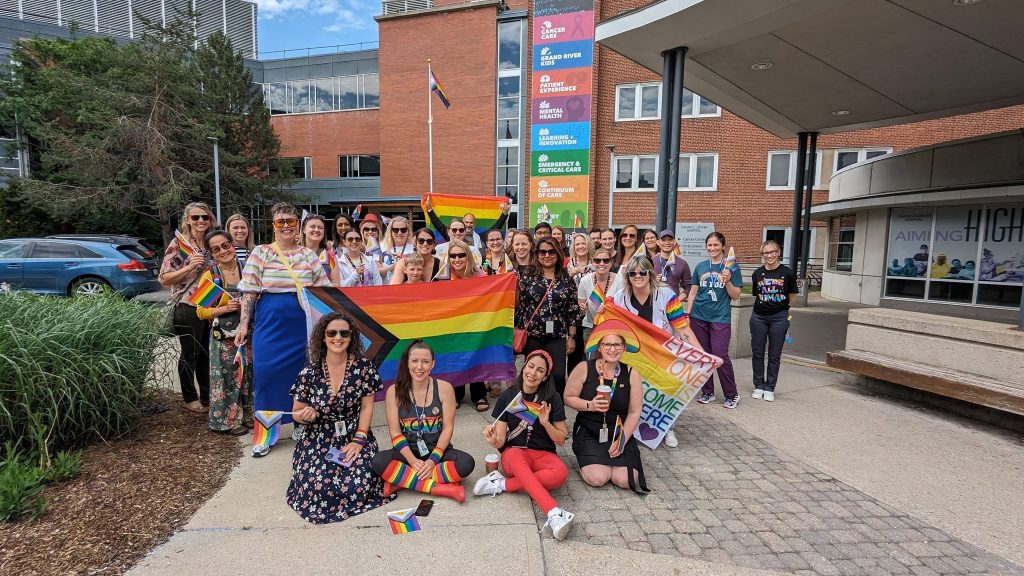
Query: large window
point(643, 102)
point(840, 242)
point(359, 166)
point(781, 173)
point(636, 173)
point(301, 168)
point(323, 94)
point(850, 156)
point(698, 172)
point(957, 254)
point(509, 109)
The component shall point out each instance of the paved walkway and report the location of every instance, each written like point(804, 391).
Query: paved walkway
point(819, 328)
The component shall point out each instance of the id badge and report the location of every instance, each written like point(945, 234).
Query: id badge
point(422, 447)
point(340, 428)
point(602, 437)
point(549, 327)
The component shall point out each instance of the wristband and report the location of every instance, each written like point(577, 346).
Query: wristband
point(360, 438)
point(399, 442)
point(435, 455)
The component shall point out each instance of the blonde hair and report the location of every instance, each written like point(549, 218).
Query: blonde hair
point(639, 263)
point(586, 239)
point(413, 259)
point(387, 242)
point(249, 244)
point(186, 228)
point(772, 243)
point(470, 261)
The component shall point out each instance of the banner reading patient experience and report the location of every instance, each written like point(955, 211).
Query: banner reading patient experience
point(563, 58)
point(673, 373)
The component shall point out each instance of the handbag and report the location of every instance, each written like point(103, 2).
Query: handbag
point(519, 335)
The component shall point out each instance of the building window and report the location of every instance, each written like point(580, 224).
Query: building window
point(636, 173)
point(509, 109)
point(323, 94)
point(301, 168)
point(698, 172)
point(781, 172)
point(840, 242)
point(643, 102)
point(360, 166)
point(850, 156)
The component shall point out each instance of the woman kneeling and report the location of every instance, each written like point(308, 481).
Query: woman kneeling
point(619, 400)
point(528, 445)
point(421, 418)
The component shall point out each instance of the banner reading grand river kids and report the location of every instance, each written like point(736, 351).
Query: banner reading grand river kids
point(563, 59)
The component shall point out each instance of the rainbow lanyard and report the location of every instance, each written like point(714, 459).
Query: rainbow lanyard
point(615, 379)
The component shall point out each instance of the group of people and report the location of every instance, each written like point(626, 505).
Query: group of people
point(319, 377)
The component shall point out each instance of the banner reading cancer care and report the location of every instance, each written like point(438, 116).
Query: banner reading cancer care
point(673, 373)
point(563, 58)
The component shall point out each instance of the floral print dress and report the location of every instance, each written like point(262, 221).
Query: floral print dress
point(322, 491)
point(230, 400)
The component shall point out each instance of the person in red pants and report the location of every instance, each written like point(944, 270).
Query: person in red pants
point(528, 448)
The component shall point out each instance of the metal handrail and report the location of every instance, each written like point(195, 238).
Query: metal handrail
point(320, 50)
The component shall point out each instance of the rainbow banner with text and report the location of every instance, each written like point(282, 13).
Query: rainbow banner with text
point(563, 59)
point(673, 373)
point(468, 325)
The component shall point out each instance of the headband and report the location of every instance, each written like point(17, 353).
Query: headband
point(547, 357)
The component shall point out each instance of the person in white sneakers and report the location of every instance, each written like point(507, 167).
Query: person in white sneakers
point(773, 283)
point(528, 454)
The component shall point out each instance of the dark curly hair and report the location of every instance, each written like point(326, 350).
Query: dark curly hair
point(318, 340)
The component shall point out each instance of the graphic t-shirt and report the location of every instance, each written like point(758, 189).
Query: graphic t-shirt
point(772, 289)
point(519, 434)
point(712, 303)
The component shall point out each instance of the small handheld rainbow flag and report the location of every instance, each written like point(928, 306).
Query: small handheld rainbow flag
point(730, 259)
point(675, 311)
point(266, 428)
point(241, 362)
point(403, 521)
point(185, 247)
point(618, 438)
point(597, 296)
point(576, 222)
point(530, 414)
point(208, 294)
point(372, 247)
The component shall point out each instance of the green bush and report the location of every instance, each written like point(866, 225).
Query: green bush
point(20, 485)
point(72, 371)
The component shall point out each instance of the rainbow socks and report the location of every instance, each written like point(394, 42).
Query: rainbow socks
point(403, 476)
point(445, 473)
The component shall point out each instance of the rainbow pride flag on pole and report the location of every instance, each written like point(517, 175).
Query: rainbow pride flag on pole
point(208, 294)
point(468, 324)
point(185, 248)
point(487, 209)
point(436, 88)
point(597, 297)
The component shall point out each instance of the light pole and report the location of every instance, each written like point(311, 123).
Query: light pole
point(216, 173)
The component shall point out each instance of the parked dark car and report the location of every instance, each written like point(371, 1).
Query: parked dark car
point(66, 267)
point(144, 249)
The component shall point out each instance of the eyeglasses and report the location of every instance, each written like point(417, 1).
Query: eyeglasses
point(627, 235)
point(457, 230)
point(638, 273)
point(769, 253)
point(370, 229)
point(200, 217)
point(353, 239)
point(424, 240)
point(602, 260)
point(282, 222)
point(457, 255)
point(546, 252)
point(338, 333)
point(222, 248)
point(398, 230)
point(611, 346)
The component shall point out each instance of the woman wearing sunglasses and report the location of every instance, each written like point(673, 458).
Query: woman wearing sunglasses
point(314, 237)
point(602, 277)
point(626, 247)
point(333, 397)
point(547, 308)
point(230, 399)
point(425, 248)
point(354, 267)
point(181, 274)
point(458, 266)
point(396, 243)
point(273, 278)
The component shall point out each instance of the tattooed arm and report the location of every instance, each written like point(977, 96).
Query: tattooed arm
point(248, 305)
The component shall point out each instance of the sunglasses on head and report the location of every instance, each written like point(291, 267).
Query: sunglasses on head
point(638, 273)
point(424, 240)
point(602, 260)
point(222, 248)
point(547, 252)
point(338, 333)
point(398, 230)
point(456, 255)
point(289, 222)
point(200, 217)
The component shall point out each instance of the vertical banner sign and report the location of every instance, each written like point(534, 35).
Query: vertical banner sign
point(563, 59)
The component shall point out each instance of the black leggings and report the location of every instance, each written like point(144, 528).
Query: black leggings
point(477, 392)
point(464, 463)
point(194, 363)
point(555, 346)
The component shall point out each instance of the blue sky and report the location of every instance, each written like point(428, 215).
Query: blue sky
point(296, 24)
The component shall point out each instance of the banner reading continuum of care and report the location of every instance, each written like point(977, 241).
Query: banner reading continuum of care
point(563, 57)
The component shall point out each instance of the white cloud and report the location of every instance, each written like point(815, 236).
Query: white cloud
point(345, 14)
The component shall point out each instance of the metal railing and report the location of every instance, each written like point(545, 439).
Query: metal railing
point(318, 50)
point(393, 7)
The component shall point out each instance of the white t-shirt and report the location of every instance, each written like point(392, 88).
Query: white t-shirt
point(586, 287)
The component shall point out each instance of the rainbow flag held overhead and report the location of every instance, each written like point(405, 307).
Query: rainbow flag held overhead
point(266, 427)
point(208, 294)
point(185, 248)
point(403, 521)
point(675, 310)
point(469, 328)
point(436, 88)
point(487, 209)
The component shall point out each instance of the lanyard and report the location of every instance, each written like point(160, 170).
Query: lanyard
point(420, 415)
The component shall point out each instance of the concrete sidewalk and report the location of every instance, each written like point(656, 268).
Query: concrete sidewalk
point(822, 481)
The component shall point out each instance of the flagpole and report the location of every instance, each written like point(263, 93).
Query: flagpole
point(430, 125)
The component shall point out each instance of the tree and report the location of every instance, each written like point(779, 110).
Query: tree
point(113, 128)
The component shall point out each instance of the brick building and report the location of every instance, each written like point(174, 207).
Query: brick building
point(732, 174)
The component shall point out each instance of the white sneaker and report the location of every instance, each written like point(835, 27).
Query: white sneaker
point(493, 484)
point(758, 393)
point(297, 430)
point(670, 439)
point(769, 396)
point(560, 522)
point(260, 451)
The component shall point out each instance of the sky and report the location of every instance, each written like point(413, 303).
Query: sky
point(299, 24)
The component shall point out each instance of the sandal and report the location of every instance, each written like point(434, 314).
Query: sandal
point(495, 391)
point(196, 407)
point(237, 431)
point(482, 405)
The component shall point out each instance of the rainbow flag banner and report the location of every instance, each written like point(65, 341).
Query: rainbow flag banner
point(266, 427)
point(487, 209)
point(468, 327)
point(672, 369)
point(208, 294)
point(403, 521)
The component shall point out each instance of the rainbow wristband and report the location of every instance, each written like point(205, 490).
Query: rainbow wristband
point(399, 442)
point(360, 438)
point(435, 455)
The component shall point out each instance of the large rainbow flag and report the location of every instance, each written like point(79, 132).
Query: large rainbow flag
point(468, 324)
point(487, 209)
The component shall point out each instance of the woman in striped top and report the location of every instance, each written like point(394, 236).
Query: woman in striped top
point(271, 283)
point(241, 236)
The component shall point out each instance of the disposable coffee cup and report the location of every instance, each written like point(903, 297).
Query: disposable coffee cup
point(492, 462)
point(604, 391)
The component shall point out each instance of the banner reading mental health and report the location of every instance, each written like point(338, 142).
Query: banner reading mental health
point(563, 56)
point(673, 373)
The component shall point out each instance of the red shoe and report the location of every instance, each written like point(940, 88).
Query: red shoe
point(454, 491)
point(390, 489)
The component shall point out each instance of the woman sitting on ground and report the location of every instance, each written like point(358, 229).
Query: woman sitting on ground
point(421, 419)
point(333, 397)
point(593, 432)
point(528, 450)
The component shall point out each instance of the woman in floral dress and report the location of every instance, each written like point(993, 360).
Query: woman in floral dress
point(333, 397)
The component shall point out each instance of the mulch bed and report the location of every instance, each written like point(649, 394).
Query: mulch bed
point(130, 496)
